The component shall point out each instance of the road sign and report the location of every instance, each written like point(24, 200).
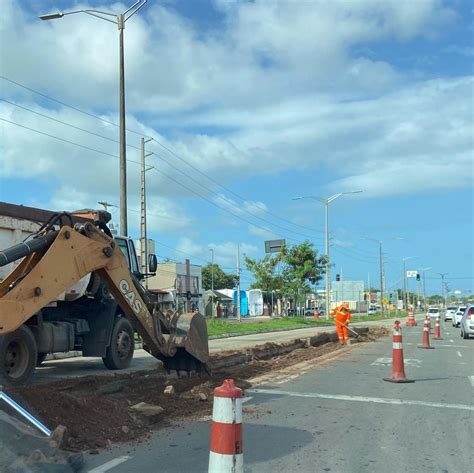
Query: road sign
point(384, 301)
point(412, 274)
point(399, 304)
point(273, 246)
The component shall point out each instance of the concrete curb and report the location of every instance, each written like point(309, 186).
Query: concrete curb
point(139, 345)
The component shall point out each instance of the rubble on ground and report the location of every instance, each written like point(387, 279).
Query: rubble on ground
point(101, 410)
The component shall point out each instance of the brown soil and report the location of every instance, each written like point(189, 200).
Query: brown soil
point(96, 409)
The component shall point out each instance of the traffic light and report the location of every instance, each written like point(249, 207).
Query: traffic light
point(338, 277)
point(418, 276)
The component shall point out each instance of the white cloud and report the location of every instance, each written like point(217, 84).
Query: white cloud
point(225, 254)
point(279, 83)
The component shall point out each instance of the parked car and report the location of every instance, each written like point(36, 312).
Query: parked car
point(458, 316)
point(450, 311)
point(467, 322)
point(372, 310)
point(433, 312)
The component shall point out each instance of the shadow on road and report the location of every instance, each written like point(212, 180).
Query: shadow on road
point(260, 441)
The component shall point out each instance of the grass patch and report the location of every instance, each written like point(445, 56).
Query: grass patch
point(228, 327)
point(216, 328)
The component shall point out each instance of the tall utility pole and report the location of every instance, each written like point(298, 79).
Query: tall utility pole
point(424, 285)
point(238, 283)
point(326, 203)
point(381, 264)
point(212, 269)
point(143, 230)
point(443, 287)
point(119, 20)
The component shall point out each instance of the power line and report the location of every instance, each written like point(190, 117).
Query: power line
point(228, 200)
point(141, 134)
point(218, 206)
point(66, 104)
point(64, 140)
point(230, 190)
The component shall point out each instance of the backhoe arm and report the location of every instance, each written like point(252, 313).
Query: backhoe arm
point(73, 253)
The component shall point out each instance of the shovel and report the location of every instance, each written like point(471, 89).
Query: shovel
point(357, 335)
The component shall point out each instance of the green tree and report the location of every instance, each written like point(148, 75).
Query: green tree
point(264, 273)
point(222, 280)
point(300, 267)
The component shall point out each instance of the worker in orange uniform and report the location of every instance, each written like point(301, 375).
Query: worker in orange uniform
point(342, 317)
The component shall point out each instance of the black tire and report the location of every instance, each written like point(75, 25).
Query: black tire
point(18, 356)
point(464, 334)
point(40, 358)
point(120, 352)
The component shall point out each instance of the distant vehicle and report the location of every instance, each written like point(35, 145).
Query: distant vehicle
point(450, 311)
point(467, 322)
point(433, 311)
point(372, 310)
point(458, 316)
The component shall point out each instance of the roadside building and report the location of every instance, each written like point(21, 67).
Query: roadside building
point(183, 281)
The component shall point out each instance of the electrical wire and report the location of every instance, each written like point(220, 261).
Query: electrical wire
point(141, 134)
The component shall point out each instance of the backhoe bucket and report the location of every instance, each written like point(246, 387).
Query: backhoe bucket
point(191, 340)
point(194, 328)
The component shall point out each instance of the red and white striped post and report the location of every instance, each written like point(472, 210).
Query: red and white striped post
point(226, 452)
point(426, 335)
point(398, 368)
point(428, 318)
point(437, 332)
point(411, 322)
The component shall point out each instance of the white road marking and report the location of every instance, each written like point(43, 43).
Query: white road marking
point(246, 399)
point(377, 400)
point(444, 345)
point(459, 354)
point(471, 379)
point(451, 340)
point(388, 361)
point(110, 464)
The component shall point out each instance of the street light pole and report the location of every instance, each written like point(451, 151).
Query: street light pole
point(328, 266)
point(119, 20)
point(326, 202)
point(442, 287)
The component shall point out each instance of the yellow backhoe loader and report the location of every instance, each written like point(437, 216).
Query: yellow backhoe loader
point(33, 323)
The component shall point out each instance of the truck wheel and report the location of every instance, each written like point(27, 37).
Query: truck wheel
point(120, 352)
point(18, 356)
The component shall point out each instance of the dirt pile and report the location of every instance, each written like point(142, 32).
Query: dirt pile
point(99, 410)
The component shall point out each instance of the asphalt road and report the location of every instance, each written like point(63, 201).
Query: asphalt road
point(79, 366)
point(338, 417)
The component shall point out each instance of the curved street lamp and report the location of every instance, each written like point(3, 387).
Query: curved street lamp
point(326, 202)
point(119, 20)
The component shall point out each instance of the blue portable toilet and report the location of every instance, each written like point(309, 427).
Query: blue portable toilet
point(244, 302)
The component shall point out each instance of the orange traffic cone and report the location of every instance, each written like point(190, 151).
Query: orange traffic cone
point(226, 453)
point(437, 332)
point(426, 336)
point(411, 322)
point(428, 318)
point(398, 368)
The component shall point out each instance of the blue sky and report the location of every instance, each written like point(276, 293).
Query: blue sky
point(268, 100)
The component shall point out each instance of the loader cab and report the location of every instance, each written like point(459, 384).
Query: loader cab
point(128, 249)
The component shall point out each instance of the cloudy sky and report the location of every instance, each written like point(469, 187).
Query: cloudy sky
point(250, 104)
